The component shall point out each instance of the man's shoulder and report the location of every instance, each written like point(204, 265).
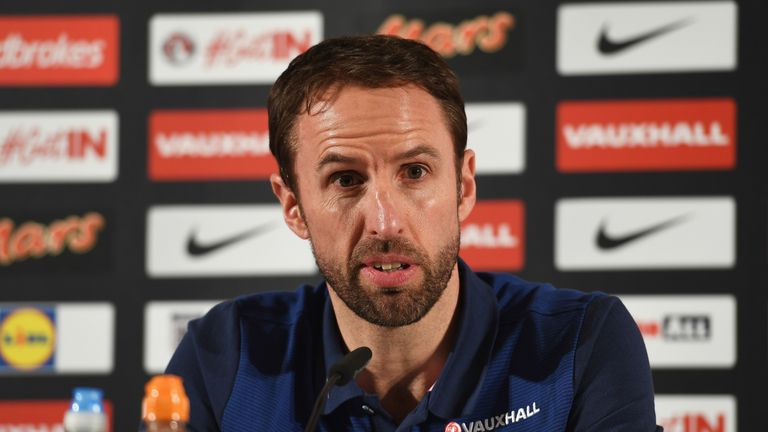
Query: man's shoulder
point(516, 296)
point(275, 307)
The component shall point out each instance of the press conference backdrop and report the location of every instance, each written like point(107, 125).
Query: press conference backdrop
point(618, 149)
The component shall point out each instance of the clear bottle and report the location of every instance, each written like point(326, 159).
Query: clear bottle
point(165, 406)
point(86, 412)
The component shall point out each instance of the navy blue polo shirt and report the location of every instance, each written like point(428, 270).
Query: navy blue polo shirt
point(527, 357)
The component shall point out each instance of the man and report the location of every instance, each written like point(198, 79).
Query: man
point(370, 135)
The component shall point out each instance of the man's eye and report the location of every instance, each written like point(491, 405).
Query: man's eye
point(415, 172)
point(346, 180)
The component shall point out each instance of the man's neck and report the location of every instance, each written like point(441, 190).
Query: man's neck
point(406, 360)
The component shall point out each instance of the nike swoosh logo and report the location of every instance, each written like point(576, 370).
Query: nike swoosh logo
point(607, 242)
point(197, 249)
point(611, 47)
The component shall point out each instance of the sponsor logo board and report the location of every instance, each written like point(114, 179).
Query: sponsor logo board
point(39, 415)
point(474, 42)
point(223, 240)
point(608, 38)
point(70, 242)
point(696, 413)
point(496, 131)
point(210, 145)
point(59, 50)
point(686, 331)
point(647, 233)
point(220, 48)
point(61, 338)
point(165, 323)
point(646, 135)
point(492, 237)
point(58, 146)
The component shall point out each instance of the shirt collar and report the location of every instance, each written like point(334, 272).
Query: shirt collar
point(478, 316)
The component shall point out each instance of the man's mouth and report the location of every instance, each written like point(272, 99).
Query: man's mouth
point(390, 267)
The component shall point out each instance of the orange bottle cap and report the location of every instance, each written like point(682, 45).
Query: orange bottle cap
point(165, 400)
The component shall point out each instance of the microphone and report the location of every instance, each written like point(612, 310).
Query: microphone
point(342, 372)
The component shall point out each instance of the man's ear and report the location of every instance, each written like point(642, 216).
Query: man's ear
point(468, 187)
point(291, 211)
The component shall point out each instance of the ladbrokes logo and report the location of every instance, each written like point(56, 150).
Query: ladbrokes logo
point(686, 331)
point(646, 135)
point(228, 48)
point(65, 50)
point(39, 416)
point(696, 413)
point(492, 237)
point(214, 144)
point(487, 33)
point(61, 146)
point(27, 338)
point(30, 240)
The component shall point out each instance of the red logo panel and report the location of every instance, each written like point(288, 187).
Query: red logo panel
point(42, 415)
point(59, 50)
point(492, 237)
point(209, 145)
point(646, 135)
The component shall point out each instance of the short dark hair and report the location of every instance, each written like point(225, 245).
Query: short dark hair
point(371, 61)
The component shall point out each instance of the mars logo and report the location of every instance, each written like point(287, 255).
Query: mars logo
point(178, 48)
point(452, 427)
point(488, 33)
point(492, 236)
point(689, 328)
point(27, 338)
point(68, 50)
point(34, 240)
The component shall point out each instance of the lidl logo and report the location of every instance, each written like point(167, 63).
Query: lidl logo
point(27, 338)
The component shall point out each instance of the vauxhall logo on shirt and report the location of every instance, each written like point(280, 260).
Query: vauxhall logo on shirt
point(495, 422)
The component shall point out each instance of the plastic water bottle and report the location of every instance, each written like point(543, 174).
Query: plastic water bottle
point(86, 413)
point(166, 405)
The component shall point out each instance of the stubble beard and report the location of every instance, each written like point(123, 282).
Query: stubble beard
point(391, 306)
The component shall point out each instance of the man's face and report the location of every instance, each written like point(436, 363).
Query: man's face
point(380, 200)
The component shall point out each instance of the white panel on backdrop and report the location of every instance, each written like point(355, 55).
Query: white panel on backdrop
point(604, 38)
point(696, 413)
point(220, 48)
point(223, 240)
point(58, 146)
point(165, 323)
point(496, 132)
point(644, 233)
point(686, 331)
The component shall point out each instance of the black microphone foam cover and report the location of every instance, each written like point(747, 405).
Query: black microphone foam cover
point(349, 365)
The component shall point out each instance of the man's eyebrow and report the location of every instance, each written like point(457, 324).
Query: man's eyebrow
point(332, 157)
point(418, 151)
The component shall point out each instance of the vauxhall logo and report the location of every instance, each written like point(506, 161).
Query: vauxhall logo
point(495, 422)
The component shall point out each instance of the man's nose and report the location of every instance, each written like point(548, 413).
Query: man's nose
point(384, 211)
